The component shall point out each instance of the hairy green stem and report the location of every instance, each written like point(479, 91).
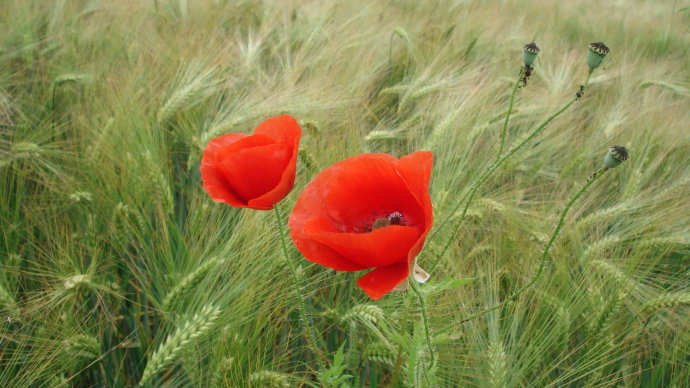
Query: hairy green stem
point(352, 356)
point(399, 356)
point(545, 253)
point(510, 110)
point(425, 320)
point(307, 322)
point(504, 131)
point(493, 168)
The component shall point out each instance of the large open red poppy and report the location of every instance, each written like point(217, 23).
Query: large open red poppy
point(337, 221)
point(254, 171)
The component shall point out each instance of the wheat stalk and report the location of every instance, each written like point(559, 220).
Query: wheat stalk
point(382, 135)
point(193, 87)
point(365, 312)
point(665, 301)
point(379, 352)
point(81, 348)
point(596, 248)
point(611, 271)
point(7, 301)
point(189, 282)
point(218, 378)
point(267, 378)
point(497, 365)
point(180, 340)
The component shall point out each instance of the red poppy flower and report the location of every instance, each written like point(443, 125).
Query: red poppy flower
point(367, 211)
point(254, 171)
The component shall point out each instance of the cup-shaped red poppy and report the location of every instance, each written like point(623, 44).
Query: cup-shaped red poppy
point(367, 211)
point(254, 171)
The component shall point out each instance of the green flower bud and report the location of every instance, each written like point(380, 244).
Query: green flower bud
point(616, 155)
point(597, 53)
point(529, 55)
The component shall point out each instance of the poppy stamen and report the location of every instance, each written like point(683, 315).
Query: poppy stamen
point(380, 223)
point(395, 218)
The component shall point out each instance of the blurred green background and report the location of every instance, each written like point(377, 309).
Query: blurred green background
point(115, 261)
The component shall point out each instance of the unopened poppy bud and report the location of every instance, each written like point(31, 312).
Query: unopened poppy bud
point(597, 53)
point(529, 55)
point(616, 155)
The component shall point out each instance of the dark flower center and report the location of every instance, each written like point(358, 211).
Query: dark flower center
point(396, 218)
point(378, 222)
point(381, 223)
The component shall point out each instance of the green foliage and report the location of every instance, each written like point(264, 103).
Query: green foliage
point(115, 265)
point(336, 377)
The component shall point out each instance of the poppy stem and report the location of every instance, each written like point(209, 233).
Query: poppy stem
point(493, 168)
point(510, 110)
point(307, 321)
point(425, 320)
point(545, 254)
point(399, 357)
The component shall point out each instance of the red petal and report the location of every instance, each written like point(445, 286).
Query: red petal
point(286, 130)
point(222, 141)
point(231, 142)
point(216, 187)
point(282, 129)
point(252, 172)
point(213, 181)
point(415, 168)
point(381, 281)
point(369, 187)
point(310, 205)
point(266, 201)
point(379, 248)
point(319, 253)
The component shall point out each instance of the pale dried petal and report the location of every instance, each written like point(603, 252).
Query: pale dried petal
point(420, 275)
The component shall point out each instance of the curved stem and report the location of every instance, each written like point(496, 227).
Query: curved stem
point(545, 253)
point(495, 166)
point(510, 110)
point(504, 131)
point(307, 322)
point(425, 320)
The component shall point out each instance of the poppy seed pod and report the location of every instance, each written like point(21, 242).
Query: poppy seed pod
point(597, 53)
point(616, 155)
point(529, 54)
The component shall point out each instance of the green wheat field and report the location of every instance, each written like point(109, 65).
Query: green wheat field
point(118, 270)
